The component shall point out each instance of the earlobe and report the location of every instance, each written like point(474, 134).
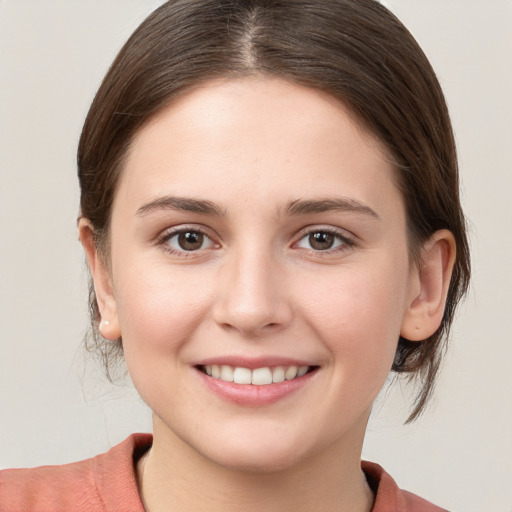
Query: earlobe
point(429, 286)
point(109, 325)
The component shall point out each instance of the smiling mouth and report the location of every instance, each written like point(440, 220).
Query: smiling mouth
point(257, 376)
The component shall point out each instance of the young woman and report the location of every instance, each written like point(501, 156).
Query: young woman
point(270, 212)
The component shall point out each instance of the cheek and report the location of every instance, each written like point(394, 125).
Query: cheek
point(159, 310)
point(359, 314)
point(358, 320)
point(159, 314)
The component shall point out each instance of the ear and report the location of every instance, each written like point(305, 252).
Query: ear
point(109, 326)
point(430, 281)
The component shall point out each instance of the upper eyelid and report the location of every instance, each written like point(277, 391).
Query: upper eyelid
point(169, 232)
point(173, 230)
point(163, 242)
point(348, 240)
point(343, 233)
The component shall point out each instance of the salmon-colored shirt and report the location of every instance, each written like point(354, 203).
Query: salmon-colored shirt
point(107, 483)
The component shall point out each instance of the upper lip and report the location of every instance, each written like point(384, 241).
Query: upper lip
point(253, 362)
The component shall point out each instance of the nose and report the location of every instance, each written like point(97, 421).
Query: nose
point(252, 295)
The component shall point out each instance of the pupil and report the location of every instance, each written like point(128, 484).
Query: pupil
point(190, 240)
point(321, 240)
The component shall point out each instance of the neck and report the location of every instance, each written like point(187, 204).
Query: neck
point(173, 477)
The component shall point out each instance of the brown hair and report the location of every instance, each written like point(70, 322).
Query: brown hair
point(356, 50)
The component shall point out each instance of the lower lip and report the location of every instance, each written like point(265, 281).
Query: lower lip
point(255, 396)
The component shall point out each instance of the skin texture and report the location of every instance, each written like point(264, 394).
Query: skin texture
point(257, 289)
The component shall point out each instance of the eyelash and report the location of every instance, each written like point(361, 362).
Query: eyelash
point(166, 237)
point(345, 242)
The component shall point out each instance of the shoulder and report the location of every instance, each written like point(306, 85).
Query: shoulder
point(389, 497)
point(50, 488)
point(104, 483)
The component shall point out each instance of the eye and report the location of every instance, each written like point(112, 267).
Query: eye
point(323, 240)
point(187, 240)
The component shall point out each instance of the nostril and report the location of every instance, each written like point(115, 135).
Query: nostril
point(251, 313)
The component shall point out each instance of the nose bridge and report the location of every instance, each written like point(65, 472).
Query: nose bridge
point(251, 298)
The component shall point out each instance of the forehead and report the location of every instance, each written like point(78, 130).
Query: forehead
point(263, 135)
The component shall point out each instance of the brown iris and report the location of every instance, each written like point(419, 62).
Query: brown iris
point(190, 240)
point(321, 240)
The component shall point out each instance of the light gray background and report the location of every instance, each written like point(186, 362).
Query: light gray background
point(54, 405)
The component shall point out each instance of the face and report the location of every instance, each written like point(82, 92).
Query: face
point(258, 235)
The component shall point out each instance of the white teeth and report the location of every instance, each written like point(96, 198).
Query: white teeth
point(302, 371)
point(261, 376)
point(278, 374)
point(291, 373)
point(242, 376)
point(226, 373)
point(258, 376)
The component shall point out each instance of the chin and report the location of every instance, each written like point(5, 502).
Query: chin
point(263, 453)
point(256, 460)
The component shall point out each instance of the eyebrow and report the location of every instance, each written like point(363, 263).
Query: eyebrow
point(293, 208)
point(183, 204)
point(344, 204)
